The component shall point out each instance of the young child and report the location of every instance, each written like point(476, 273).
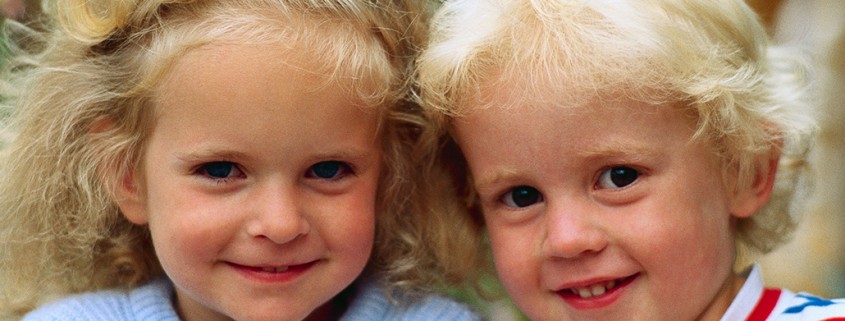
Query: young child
point(221, 160)
point(622, 153)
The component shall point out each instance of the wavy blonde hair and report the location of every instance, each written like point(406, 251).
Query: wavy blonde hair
point(60, 230)
point(711, 56)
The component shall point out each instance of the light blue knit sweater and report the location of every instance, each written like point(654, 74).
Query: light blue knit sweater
point(152, 303)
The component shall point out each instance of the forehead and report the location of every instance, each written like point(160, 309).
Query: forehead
point(266, 74)
point(565, 90)
point(326, 44)
point(532, 124)
point(270, 88)
point(240, 63)
point(268, 64)
point(510, 111)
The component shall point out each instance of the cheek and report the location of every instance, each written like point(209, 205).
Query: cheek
point(513, 255)
point(352, 242)
point(690, 246)
point(519, 266)
point(352, 221)
point(188, 229)
point(182, 254)
point(350, 224)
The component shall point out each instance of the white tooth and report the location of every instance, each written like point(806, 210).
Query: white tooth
point(585, 293)
point(282, 269)
point(597, 290)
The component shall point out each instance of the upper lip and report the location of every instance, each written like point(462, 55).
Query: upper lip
point(271, 266)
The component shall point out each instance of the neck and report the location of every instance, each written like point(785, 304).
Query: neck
point(723, 299)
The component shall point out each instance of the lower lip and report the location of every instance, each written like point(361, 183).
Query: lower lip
point(259, 275)
point(601, 301)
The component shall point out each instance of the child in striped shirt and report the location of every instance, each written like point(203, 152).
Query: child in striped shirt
point(621, 153)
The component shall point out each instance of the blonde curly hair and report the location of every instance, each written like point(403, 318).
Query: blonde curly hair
point(60, 230)
point(712, 56)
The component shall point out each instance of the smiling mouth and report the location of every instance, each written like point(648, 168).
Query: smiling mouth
point(275, 269)
point(597, 289)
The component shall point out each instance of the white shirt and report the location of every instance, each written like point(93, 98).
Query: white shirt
point(754, 302)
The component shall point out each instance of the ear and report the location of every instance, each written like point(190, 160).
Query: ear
point(751, 196)
point(130, 199)
point(123, 185)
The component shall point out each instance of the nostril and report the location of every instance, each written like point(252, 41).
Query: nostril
point(277, 230)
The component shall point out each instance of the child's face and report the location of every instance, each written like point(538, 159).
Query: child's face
point(259, 184)
point(607, 211)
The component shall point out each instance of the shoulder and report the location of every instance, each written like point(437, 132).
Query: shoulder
point(803, 306)
point(148, 302)
point(433, 307)
point(370, 303)
point(104, 305)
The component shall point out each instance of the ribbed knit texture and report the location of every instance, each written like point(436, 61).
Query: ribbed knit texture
point(151, 302)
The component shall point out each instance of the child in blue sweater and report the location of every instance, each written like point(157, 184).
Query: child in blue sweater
point(220, 160)
point(621, 153)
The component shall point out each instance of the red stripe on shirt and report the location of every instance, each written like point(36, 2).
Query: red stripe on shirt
point(765, 306)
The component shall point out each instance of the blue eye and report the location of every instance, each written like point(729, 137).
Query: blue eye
point(618, 177)
point(329, 170)
point(522, 196)
point(220, 170)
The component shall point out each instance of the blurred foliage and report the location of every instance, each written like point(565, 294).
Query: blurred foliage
point(488, 296)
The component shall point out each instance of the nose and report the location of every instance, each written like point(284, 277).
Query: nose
point(278, 215)
point(572, 232)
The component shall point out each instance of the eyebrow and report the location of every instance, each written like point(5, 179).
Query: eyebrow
point(494, 178)
point(627, 151)
point(210, 153)
point(355, 155)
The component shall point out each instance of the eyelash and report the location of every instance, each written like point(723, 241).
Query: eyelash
point(535, 196)
point(615, 175)
point(606, 176)
point(213, 171)
point(206, 170)
point(342, 171)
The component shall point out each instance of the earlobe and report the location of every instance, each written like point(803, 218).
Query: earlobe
point(129, 198)
point(751, 196)
point(122, 185)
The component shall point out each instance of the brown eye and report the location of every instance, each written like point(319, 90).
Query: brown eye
point(617, 177)
point(522, 196)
